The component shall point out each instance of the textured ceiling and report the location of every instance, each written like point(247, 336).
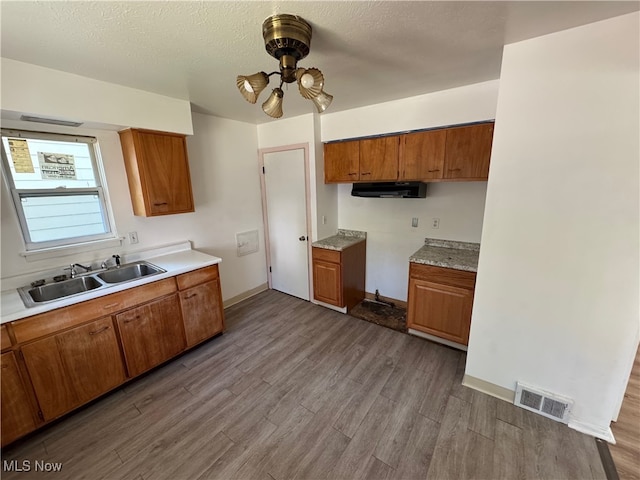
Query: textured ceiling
point(369, 52)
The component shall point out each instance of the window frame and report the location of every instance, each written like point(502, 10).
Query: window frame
point(18, 194)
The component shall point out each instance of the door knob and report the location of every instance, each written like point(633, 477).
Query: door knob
point(302, 238)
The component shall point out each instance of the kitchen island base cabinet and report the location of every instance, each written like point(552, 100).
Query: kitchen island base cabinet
point(73, 367)
point(440, 302)
point(151, 334)
point(17, 413)
point(339, 276)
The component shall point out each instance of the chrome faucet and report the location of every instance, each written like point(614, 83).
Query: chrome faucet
point(115, 257)
point(72, 269)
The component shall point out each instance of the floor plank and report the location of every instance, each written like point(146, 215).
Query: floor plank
point(294, 390)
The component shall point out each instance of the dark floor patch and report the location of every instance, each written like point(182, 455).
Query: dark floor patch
point(385, 315)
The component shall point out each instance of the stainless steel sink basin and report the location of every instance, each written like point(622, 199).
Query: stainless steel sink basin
point(56, 291)
point(130, 271)
point(32, 296)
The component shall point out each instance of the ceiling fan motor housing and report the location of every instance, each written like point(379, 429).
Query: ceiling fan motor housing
point(287, 34)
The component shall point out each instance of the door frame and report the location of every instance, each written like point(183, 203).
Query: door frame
point(265, 216)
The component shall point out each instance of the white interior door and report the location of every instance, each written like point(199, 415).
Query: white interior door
point(286, 200)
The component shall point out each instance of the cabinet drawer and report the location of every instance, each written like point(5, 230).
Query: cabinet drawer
point(202, 275)
point(4, 336)
point(447, 276)
point(332, 256)
point(62, 318)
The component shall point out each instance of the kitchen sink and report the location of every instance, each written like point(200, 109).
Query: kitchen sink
point(32, 296)
point(56, 291)
point(130, 271)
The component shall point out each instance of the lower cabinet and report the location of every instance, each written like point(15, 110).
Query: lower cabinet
point(339, 276)
point(59, 360)
point(73, 367)
point(440, 302)
point(17, 413)
point(151, 334)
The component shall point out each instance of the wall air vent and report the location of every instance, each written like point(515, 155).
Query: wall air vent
point(52, 121)
point(544, 403)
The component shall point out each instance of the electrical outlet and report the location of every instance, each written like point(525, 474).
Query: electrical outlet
point(435, 223)
point(133, 237)
point(414, 222)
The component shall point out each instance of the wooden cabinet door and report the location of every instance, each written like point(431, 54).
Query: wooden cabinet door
point(17, 416)
point(422, 155)
point(202, 312)
point(379, 159)
point(151, 334)
point(327, 282)
point(166, 172)
point(441, 310)
point(468, 151)
point(342, 162)
point(92, 359)
point(73, 367)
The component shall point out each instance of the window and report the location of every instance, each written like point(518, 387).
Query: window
point(56, 188)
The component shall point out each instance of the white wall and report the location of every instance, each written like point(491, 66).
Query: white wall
point(306, 129)
point(226, 189)
point(34, 90)
point(557, 293)
point(459, 205)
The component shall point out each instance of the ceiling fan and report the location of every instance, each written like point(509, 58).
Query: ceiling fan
point(287, 38)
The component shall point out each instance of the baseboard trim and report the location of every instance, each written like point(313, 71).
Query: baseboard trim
point(593, 430)
point(328, 305)
point(433, 338)
point(489, 388)
point(243, 296)
point(398, 303)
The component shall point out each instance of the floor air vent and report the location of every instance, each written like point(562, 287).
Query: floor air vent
point(548, 404)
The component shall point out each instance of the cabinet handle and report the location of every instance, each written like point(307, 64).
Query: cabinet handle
point(191, 296)
point(4, 366)
point(162, 203)
point(455, 169)
point(111, 305)
point(365, 173)
point(129, 320)
point(351, 174)
point(436, 170)
point(100, 330)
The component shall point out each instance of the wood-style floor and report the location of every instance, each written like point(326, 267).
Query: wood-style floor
point(294, 390)
point(626, 452)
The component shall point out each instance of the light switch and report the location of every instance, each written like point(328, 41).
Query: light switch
point(414, 222)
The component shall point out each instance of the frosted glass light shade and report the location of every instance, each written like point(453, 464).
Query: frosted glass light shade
point(250, 86)
point(273, 105)
point(322, 101)
point(310, 82)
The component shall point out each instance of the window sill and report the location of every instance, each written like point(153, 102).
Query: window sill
point(53, 252)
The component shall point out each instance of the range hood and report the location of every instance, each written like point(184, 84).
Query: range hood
point(390, 190)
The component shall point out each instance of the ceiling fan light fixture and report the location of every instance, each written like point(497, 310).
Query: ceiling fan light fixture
point(251, 86)
point(273, 105)
point(322, 101)
point(310, 82)
point(287, 38)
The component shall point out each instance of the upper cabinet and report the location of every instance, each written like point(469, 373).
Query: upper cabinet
point(158, 172)
point(422, 155)
point(468, 152)
point(342, 162)
point(379, 159)
point(446, 154)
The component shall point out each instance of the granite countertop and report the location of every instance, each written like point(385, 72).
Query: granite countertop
point(175, 259)
point(343, 239)
point(448, 254)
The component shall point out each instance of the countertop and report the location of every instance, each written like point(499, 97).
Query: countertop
point(448, 254)
point(174, 259)
point(343, 239)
